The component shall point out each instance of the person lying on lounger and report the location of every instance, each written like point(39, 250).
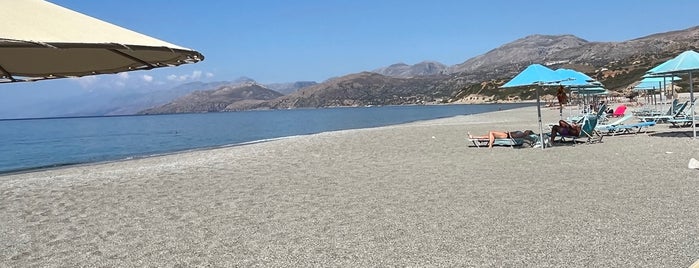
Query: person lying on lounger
point(564, 129)
point(492, 135)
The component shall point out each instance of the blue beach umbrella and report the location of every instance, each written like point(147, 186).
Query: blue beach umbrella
point(579, 83)
point(589, 90)
point(535, 75)
point(649, 87)
point(644, 86)
point(652, 82)
point(586, 91)
point(576, 79)
point(686, 62)
point(659, 78)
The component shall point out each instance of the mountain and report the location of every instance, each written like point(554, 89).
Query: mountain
point(403, 70)
point(362, 89)
point(287, 88)
point(216, 100)
point(477, 80)
point(551, 50)
point(131, 103)
point(533, 48)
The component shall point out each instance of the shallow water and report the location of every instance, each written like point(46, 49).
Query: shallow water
point(39, 143)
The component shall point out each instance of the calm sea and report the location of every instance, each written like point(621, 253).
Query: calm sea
point(40, 143)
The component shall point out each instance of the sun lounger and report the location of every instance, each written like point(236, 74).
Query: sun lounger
point(600, 114)
point(483, 142)
point(619, 111)
point(530, 141)
point(664, 118)
point(681, 122)
point(587, 131)
point(651, 112)
point(634, 128)
point(607, 127)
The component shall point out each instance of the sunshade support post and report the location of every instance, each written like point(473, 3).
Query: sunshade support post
point(538, 111)
point(150, 66)
point(691, 100)
point(7, 74)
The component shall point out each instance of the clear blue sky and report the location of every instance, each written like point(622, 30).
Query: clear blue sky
point(283, 41)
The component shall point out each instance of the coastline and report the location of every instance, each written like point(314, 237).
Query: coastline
point(104, 141)
point(413, 194)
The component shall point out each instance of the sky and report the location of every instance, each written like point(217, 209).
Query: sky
point(275, 41)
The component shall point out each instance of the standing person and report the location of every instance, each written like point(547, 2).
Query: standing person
point(562, 99)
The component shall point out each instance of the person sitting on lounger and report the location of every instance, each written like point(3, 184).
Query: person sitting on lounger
point(492, 135)
point(564, 129)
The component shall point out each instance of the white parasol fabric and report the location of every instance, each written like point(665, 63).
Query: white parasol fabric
point(40, 40)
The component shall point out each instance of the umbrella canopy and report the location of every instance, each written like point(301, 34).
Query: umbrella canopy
point(686, 62)
point(643, 86)
point(40, 40)
point(589, 90)
point(573, 78)
point(579, 82)
point(656, 77)
point(649, 79)
point(535, 74)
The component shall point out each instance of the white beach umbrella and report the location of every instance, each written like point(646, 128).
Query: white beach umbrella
point(40, 40)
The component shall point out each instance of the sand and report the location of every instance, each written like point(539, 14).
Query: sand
point(407, 195)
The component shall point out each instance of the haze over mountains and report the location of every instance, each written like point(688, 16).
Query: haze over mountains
point(616, 64)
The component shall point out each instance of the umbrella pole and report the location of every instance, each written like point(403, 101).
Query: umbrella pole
point(691, 100)
point(560, 111)
point(662, 88)
point(541, 126)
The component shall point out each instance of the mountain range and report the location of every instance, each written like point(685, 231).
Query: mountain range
point(476, 80)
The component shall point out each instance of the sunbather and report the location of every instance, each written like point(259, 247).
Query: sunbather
point(564, 129)
point(492, 135)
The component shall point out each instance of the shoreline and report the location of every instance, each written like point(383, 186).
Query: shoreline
point(130, 158)
point(108, 159)
point(413, 194)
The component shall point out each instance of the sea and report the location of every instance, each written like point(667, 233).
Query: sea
point(31, 144)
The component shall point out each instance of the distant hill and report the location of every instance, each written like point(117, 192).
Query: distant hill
point(288, 88)
point(403, 70)
point(533, 48)
point(215, 100)
point(570, 50)
point(362, 89)
point(616, 64)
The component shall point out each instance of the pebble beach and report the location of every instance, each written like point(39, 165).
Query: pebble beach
point(415, 194)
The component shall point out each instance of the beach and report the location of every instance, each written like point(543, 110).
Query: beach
point(415, 194)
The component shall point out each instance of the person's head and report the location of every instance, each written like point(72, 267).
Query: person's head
point(528, 132)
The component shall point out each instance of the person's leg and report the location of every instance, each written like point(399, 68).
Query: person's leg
point(554, 132)
point(495, 135)
point(477, 137)
point(564, 124)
